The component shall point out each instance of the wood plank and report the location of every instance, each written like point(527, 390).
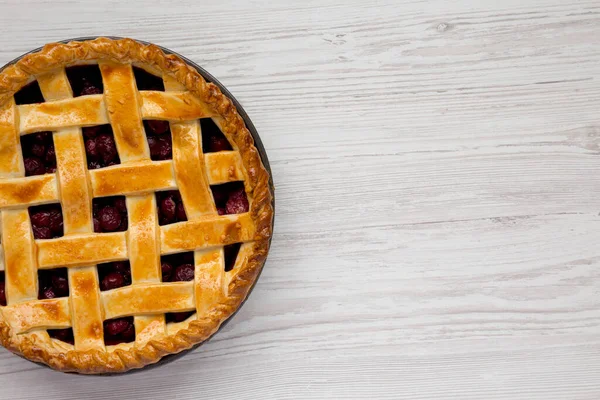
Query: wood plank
point(437, 196)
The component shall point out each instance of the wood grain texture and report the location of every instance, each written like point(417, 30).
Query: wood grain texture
point(436, 165)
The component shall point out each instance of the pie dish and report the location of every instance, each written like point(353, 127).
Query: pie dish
point(135, 209)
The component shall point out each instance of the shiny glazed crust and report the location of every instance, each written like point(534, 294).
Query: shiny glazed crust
point(190, 96)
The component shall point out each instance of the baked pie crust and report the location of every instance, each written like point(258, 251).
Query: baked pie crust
point(214, 294)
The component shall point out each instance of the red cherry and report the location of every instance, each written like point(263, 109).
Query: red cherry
point(181, 216)
point(116, 326)
point(220, 194)
point(60, 285)
point(48, 293)
point(94, 165)
point(156, 127)
point(38, 149)
point(212, 137)
point(91, 131)
point(168, 208)
point(50, 156)
point(91, 149)
point(110, 219)
point(184, 272)
point(181, 316)
point(97, 227)
point(112, 281)
point(175, 195)
point(41, 219)
point(186, 258)
point(237, 202)
point(42, 137)
point(120, 204)
point(129, 334)
point(97, 204)
point(152, 144)
point(167, 270)
point(89, 88)
point(56, 221)
point(106, 147)
point(65, 335)
point(33, 166)
point(123, 225)
point(216, 143)
point(42, 233)
point(121, 267)
point(166, 150)
point(160, 149)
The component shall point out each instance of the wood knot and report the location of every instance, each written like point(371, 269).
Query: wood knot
point(443, 27)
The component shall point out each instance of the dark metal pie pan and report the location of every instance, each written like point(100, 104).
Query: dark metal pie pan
point(257, 142)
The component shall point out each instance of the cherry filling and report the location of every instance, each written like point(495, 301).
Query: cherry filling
point(38, 153)
point(230, 198)
point(2, 290)
point(213, 139)
point(114, 275)
point(160, 143)
point(178, 268)
point(85, 80)
point(46, 221)
point(65, 335)
point(170, 207)
point(100, 146)
point(178, 316)
point(110, 214)
point(146, 81)
point(231, 253)
point(53, 283)
point(119, 330)
point(29, 94)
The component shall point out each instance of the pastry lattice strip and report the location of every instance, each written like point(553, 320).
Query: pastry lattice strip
point(137, 177)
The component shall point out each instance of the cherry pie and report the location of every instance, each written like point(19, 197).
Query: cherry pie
point(135, 209)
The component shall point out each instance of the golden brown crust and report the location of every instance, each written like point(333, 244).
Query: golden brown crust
point(35, 190)
point(62, 114)
point(37, 346)
point(131, 178)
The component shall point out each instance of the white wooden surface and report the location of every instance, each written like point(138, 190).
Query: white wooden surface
point(438, 196)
